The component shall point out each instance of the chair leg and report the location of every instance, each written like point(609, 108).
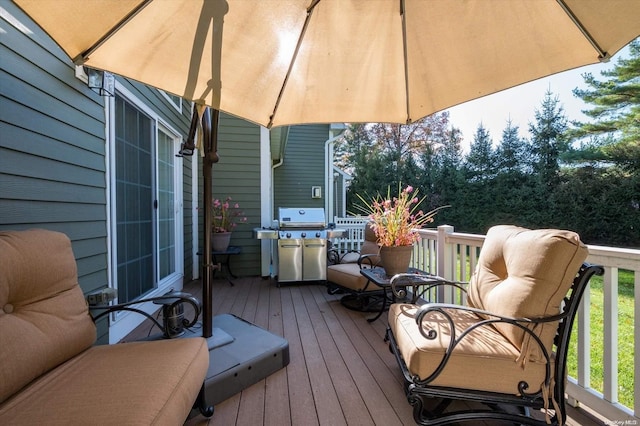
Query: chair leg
point(202, 405)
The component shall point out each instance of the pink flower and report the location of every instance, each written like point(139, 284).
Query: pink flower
point(225, 217)
point(396, 220)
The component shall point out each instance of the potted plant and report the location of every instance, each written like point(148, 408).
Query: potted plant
point(225, 217)
point(395, 221)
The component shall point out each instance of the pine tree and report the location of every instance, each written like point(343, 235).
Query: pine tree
point(480, 162)
point(512, 152)
point(548, 140)
point(615, 131)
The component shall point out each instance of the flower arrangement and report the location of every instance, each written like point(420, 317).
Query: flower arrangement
point(225, 215)
point(395, 220)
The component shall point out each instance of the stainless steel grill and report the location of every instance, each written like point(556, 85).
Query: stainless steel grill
point(302, 235)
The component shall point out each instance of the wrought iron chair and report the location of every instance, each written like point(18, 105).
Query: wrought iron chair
point(504, 352)
point(343, 274)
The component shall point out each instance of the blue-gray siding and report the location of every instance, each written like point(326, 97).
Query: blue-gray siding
point(303, 168)
point(52, 147)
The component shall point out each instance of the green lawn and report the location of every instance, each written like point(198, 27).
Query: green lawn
point(625, 337)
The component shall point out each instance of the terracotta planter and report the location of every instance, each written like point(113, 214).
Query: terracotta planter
point(396, 259)
point(220, 241)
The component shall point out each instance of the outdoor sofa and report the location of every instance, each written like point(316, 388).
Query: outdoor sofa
point(51, 373)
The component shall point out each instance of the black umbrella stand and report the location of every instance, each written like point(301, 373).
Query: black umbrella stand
point(240, 353)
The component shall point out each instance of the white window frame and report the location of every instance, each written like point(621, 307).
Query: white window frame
point(171, 100)
point(123, 323)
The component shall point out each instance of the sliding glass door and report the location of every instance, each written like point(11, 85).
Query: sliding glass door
point(146, 203)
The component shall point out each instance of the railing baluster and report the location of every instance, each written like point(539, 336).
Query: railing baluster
point(636, 342)
point(584, 339)
point(610, 380)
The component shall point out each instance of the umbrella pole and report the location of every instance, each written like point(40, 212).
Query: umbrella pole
point(210, 157)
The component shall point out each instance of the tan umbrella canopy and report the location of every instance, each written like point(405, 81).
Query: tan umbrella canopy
point(279, 62)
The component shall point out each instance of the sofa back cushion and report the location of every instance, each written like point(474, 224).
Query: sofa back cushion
point(526, 273)
point(44, 319)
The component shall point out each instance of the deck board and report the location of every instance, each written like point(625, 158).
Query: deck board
point(340, 372)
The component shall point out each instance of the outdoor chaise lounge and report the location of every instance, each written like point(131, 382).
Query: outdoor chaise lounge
point(504, 352)
point(50, 371)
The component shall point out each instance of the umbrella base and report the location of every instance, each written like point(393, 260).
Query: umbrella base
point(240, 354)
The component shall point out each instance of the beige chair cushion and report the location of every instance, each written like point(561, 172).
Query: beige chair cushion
point(347, 272)
point(485, 359)
point(116, 385)
point(44, 319)
point(526, 273)
point(348, 275)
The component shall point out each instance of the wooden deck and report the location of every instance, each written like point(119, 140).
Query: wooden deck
point(341, 371)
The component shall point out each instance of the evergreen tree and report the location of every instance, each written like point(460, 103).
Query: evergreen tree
point(480, 162)
point(447, 179)
point(512, 153)
point(548, 140)
point(615, 131)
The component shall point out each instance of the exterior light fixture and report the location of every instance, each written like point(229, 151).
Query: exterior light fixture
point(101, 82)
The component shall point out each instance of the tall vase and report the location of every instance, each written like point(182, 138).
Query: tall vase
point(396, 259)
point(220, 241)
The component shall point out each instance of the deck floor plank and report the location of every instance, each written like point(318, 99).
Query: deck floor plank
point(327, 403)
point(381, 390)
point(340, 370)
point(302, 406)
point(353, 407)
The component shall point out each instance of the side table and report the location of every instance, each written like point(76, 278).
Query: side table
point(224, 258)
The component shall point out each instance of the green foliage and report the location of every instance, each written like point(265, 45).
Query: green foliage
point(480, 163)
point(548, 140)
point(615, 111)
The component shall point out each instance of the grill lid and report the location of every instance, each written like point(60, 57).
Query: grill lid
point(295, 217)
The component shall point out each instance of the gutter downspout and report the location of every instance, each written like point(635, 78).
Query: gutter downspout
point(272, 244)
point(329, 200)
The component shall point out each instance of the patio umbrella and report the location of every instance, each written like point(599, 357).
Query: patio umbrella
point(281, 62)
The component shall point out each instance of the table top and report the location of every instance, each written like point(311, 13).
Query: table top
point(229, 250)
point(378, 276)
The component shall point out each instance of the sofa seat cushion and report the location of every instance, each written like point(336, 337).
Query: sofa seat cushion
point(74, 393)
point(473, 362)
point(348, 275)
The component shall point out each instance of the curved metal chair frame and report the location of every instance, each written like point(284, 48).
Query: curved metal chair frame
point(430, 403)
point(170, 300)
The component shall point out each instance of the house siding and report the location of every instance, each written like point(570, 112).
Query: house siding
point(237, 175)
point(52, 148)
point(52, 168)
point(303, 167)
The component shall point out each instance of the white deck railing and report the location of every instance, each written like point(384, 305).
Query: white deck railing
point(453, 255)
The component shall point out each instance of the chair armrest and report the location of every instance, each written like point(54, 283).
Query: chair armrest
point(333, 256)
point(169, 300)
point(400, 282)
point(486, 319)
point(368, 259)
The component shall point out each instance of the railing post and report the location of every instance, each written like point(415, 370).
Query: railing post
point(445, 258)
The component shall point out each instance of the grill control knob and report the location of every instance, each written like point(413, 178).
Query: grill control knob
point(303, 234)
point(317, 235)
point(288, 234)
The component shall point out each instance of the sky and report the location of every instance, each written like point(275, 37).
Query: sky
point(520, 103)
